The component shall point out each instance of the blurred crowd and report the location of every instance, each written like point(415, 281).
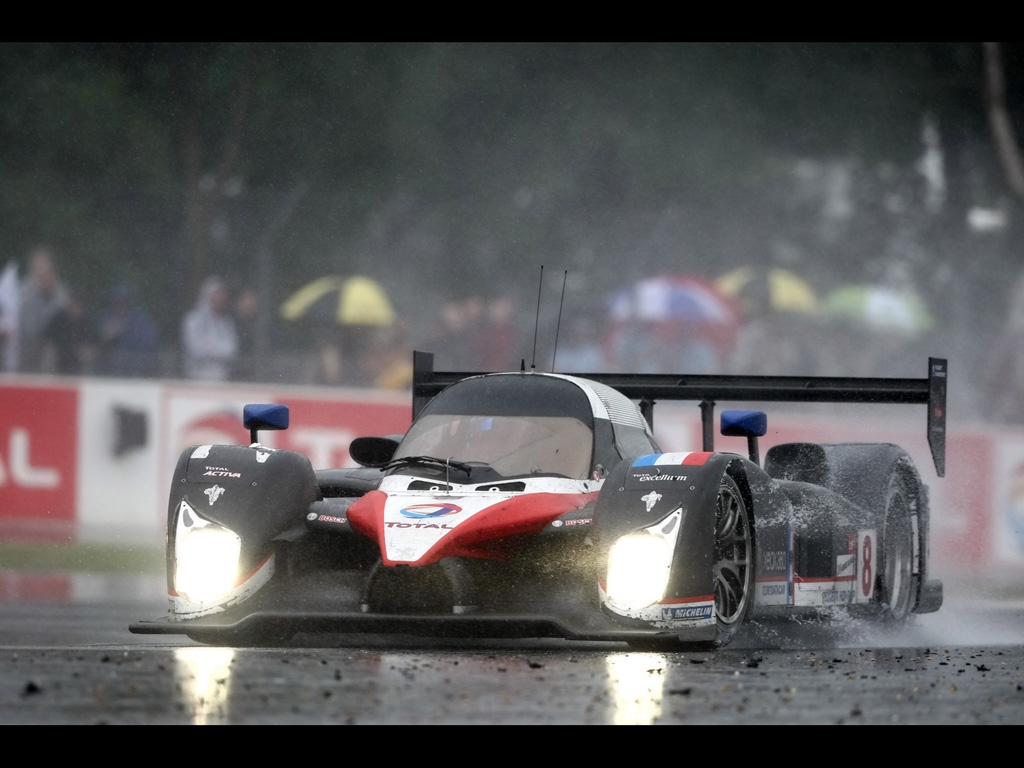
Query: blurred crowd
point(47, 328)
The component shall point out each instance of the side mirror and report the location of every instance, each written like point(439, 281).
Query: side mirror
point(748, 424)
point(373, 451)
point(257, 416)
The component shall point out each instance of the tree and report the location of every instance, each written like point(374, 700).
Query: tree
point(1000, 121)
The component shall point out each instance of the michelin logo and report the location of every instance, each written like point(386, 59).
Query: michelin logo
point(687, 612)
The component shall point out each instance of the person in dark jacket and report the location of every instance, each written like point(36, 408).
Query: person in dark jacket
point(129, 338)
point(69, 339)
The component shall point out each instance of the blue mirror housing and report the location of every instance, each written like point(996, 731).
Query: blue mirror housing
point(748, 424)
point(744, 423)
point(257, 416)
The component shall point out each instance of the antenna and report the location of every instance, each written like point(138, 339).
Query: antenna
point(536, 322)
point(558, 326)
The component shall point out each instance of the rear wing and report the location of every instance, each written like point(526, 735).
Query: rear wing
point(707, 390)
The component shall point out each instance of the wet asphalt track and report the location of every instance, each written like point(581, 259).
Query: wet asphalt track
point(74, 662)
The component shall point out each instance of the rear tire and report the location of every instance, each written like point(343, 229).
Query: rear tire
point(897, 582)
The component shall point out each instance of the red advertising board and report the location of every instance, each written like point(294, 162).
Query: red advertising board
point(323, 429)
point(38, 445)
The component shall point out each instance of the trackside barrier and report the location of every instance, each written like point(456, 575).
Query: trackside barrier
point(90, 460)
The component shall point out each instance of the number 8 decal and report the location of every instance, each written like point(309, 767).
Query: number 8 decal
point(866, 575)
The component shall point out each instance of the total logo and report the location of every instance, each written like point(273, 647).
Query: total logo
point(421, 511)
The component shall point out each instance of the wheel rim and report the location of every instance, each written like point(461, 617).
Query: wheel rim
point(732, 568)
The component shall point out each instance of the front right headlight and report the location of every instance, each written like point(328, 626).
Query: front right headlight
point(206, 558)
point(640, 563)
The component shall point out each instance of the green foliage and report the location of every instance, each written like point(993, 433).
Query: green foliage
point(92, 558)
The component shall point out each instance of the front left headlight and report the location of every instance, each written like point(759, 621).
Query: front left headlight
point(640, 563)
point(206, 559)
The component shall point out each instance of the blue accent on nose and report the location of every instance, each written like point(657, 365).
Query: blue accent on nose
point(646, 461)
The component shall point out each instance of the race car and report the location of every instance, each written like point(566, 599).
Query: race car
point(528, 504)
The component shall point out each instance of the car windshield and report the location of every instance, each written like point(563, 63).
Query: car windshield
point(511, 445)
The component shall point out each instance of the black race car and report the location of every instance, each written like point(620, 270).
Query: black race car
point(539, 505)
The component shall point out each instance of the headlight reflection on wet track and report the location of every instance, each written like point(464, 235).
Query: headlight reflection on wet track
point(204, 679)
point(636, 683)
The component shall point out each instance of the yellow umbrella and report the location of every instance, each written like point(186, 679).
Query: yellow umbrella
point(784, 289)
point(356, 300)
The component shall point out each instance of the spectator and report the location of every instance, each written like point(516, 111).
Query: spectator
point(69, 339)
point(9, 312)
point(129, 338)
point(42, 296)
point(472, 340)
point(330, 364)
point(246, 312)
point(386, 361)
point(581, 351)
point(479, 334)
point(209, 338)
point(496, 338)
point(447, 338)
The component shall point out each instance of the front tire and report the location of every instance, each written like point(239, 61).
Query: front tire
point(732, 570)
point(732, 562)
